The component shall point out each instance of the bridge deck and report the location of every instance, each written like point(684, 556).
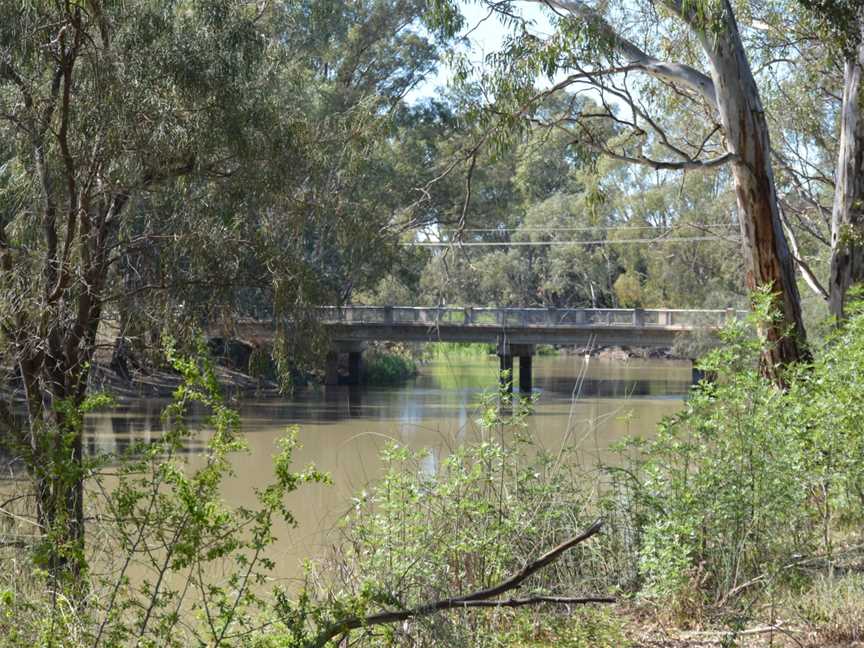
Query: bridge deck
point(519, 326)
point(669, 319)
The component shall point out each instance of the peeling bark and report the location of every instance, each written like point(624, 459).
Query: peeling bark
point(732, 91)
point(847, 215)
point(768, 260)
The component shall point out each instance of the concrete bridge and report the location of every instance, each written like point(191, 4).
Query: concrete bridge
point(514, 331)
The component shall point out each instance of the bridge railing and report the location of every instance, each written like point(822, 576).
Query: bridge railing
point(528, 317)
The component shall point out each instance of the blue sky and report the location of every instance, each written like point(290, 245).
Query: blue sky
point(485, 37)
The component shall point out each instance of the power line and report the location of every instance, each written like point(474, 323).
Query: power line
point(611, 228)
point(643, 241)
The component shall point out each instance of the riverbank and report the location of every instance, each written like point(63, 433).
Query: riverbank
point(664, 584)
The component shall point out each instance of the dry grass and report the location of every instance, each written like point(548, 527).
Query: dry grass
point(834, 608)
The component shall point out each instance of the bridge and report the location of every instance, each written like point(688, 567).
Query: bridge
point(515, 331)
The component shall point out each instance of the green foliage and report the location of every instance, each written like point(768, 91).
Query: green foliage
point(628, 290)
point(388, 366)
point(840, 21)
point(748, 476)
point(564, 225)
point(173, 564)
point(436, 527)
point(453, 350)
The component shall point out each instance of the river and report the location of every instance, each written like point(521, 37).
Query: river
point(590, 402)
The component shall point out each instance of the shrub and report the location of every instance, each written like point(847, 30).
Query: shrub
point(170, 563)
point(388, 366)
point(747, 477)
point(436, 528)
point(454, 350)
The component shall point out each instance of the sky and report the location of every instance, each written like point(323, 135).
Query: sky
point(485, 36)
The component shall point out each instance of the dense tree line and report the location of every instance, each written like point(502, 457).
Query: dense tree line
point(553, 223)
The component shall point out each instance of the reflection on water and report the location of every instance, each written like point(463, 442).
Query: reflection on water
point(343, 429)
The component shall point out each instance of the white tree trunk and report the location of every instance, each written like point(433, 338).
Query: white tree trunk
point(767, 258)
point(847, 216)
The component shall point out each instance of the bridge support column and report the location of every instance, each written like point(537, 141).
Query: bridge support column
point(331, 370)
point(526, 365)
point(354, 365)
point(525, 352)
point(525, 377)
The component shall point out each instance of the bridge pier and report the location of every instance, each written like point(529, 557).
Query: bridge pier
point(525, 352)
point(525, 374)
point(354, 367)
point(354, 349)
point(331, 371)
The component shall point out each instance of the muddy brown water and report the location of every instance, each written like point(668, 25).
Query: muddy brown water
point(592, 403)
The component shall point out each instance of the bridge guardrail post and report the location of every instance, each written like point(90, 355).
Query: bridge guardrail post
point(639, 317)
point(468, 316)
point(388, 315)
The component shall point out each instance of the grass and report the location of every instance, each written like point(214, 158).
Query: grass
point(834, 608)
point(467, 350)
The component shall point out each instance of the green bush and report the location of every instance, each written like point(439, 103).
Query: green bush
point(748, 477)
point(434, 528)
point(388, 366)
point(169, 563)
point(456, 350)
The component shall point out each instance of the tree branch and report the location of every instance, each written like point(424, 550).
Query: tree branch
point(477, 599)
point(672, 73)
point(806, 271)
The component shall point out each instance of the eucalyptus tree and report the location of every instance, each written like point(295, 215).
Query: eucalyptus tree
point(671, 114)
point(180, 160)
point(844, 21)
point(810, 54)
point(103, 104)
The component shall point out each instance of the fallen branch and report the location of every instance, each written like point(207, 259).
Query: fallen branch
point(779, 627)
point(484, 598)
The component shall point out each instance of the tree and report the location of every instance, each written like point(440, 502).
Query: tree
point(814, 106)
point(847, 215)
point(100, 103)
point(178, 161)
point(588, 48)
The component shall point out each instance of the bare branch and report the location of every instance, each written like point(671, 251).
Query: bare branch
point(806, 271)
point(478, 599)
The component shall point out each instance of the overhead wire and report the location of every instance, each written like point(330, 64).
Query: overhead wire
point(611, 228)
point(639, 241)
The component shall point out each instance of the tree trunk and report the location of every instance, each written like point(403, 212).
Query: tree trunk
point(55, 451)
point(767, 259)
point(847, 216)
